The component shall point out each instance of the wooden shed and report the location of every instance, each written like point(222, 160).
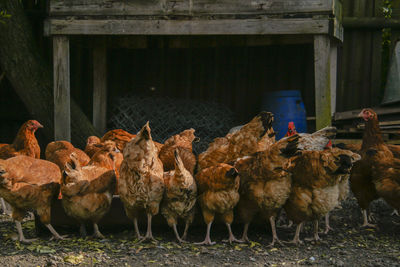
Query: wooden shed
point(313, 22)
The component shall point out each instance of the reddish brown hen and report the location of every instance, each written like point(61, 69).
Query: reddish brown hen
point(87, 192)
point(25, 143)
point(93, 144)
point(183, 141)
point(29, 184)
point(361, 183)
point(59, 153)
point(218, 188)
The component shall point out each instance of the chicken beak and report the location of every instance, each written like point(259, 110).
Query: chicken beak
point(39, 126)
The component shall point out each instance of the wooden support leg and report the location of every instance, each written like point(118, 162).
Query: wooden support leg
point(325, 79)
point(100, 87)
point(62, 107)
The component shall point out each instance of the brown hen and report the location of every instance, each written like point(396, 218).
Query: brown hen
point(87, 192)
point(25, 143)
point(257, 135)
point(179, 197)
point(59, 153)
point(93, 144)
point(265, 183)
point(183, 141)
point(218, 188)
point(141, 183)
point(315, 185)
point(361, 183)
point(30, 184)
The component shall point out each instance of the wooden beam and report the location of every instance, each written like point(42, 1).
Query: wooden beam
point(260, 26)
point(370, 23)
point(61, 69)
point(352, 114)
point(333, 75)
point(100, 87)
point(192, 7)
point(322, 76)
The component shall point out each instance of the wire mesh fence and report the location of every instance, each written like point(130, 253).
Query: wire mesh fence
point(170, 116)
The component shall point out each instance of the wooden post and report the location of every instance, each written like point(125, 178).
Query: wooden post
point(333, 75)
point(100, 87)
point(62, 107)
point(322, 76)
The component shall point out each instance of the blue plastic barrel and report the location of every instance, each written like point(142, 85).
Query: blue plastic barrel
point(287, 106)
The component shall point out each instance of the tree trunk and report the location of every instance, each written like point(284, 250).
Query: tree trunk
point(31, 77)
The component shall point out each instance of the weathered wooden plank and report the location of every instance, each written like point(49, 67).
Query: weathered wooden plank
point(190, 7)
point(61, 71)
point(322, 76)
point(100, 87)
point(333, 75)
point(188, 27)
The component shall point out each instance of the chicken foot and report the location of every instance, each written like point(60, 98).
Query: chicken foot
point(245, 238)
point(366, 223)
point(54, 232)
point(316, 235)
point(327, 225)
point(274, 234)
point(296, 239)
point(231, 238)
point(177, 234)
point(207, 240)
point(21, 237)
point(96, 232)
point(149, 234)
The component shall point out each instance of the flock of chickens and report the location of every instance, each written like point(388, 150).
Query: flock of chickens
point(247, 170)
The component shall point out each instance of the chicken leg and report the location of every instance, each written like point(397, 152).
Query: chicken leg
point(231, 238)
point(207, 240)
point(274, 234)
point(96, 232)
point(21, 237)
point(316, 236)
point(185, 231)
point(82, 230)
point(5, 207)
point(245, 238)
point(177, 234)
point(149, 234)
point(327, 225)
point(296, 239)
point(54, 232)
point(135, 223)
point(366, 223)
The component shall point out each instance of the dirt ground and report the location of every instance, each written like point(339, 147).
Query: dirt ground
point(346, 245)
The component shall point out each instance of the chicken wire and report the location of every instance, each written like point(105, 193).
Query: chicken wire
point(170, 116)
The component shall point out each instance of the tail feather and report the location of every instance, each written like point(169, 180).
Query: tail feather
point(267, 118)
point(291, 148)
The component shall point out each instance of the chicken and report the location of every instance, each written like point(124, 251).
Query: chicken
point(87, 192)
point(108, 157)
point(25, 143)
point(119, 136)
point(318, 140)
point(29, 184)
point(141, 183)
point(59, 153)
point(179, 197)
point(315, 185)
point(184, 142)
point(265, 182)
point(218, 188)
point(361, 183)
point(257, 135)
point(93, 144)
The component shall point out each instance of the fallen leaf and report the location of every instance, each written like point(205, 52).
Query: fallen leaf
point(74, 259)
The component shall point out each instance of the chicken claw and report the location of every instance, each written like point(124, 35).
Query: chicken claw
point(366, 223)
point(245, 238)
point(97, 233)
point(296, 240)
point(232, 238)
point(207, 241)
